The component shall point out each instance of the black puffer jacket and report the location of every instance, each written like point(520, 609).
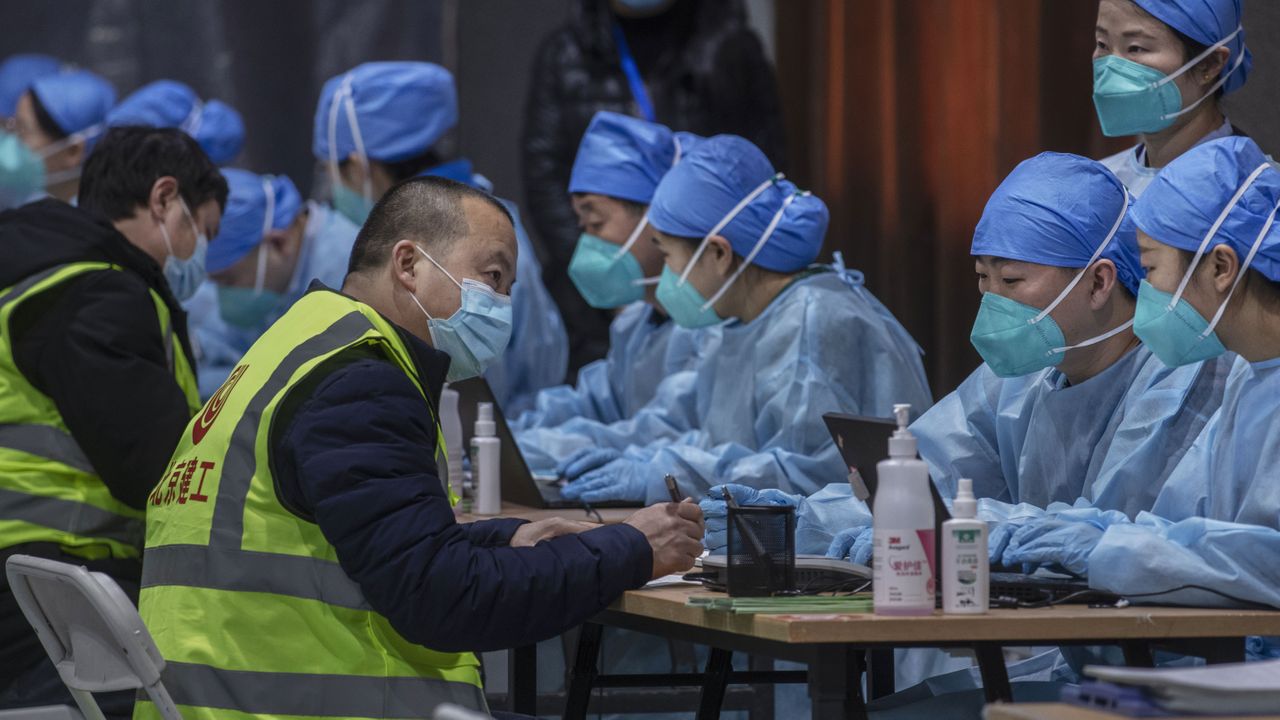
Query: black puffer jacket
point(705, 71)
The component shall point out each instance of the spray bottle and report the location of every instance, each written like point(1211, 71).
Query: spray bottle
point(966, 574)
point(486, 456)
point(903, 528)
point(451, 426)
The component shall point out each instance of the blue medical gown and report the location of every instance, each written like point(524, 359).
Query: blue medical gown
point(751, 412)
point(537, 356)
point(1216, 522)
point(644, 348)
point(326, 250)
point(1112, 439)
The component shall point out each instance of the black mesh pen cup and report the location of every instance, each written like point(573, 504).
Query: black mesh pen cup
point(762, 550)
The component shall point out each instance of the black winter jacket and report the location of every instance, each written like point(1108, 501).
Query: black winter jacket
point(705, 71)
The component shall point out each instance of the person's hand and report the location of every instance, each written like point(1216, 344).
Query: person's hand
point(531, 534)
point(715, 511)
point(1053, 542)
point(622, 479)
point(852, 544)
point(674, 532)
point(998, 536)
point(584, 461)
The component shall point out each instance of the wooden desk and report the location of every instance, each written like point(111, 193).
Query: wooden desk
point(610, 516)
point(833, 646)
point(1057, 711)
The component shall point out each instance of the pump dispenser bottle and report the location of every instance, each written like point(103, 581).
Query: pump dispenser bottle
point(486, 457)
point(966, 573)
point(903, 532)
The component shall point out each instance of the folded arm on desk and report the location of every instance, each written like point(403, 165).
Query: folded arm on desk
point(1152, 555)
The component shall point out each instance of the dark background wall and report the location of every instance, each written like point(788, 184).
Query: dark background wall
point(903, 114)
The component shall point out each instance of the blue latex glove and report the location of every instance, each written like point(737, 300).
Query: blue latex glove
point(1061, 544)
point(998, 536)
point(584, 461)
point(853, 544)
point(715, 512)
point(622, 479)
point(824, 514)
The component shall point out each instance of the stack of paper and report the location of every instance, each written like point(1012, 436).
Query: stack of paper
point(791, 605)
point(1238, 688)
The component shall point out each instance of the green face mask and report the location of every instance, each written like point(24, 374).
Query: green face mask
point(246, 308)
point(355, 206)
point(608, 275)
point(1132, 98)
point(21, 171)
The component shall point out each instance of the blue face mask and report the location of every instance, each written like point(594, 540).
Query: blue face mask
point(355, 206)
point(21, 171)
point(1015, 339)
point(1170, 326)
point(475, 335)
point(608, 275)
point(185, 275)
point(1132, 98)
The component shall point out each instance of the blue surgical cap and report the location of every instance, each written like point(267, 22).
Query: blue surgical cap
point(401, 110)
point(625, 157)
point(1186, 198)
point(1207, 22)
point(718, 174)
point(17, 72)
point(246, 215)
point(76, 100)
point(216, 126)
point(1056, 209)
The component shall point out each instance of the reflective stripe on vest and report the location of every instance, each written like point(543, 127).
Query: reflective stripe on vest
point(49, 491)
point(229, 584)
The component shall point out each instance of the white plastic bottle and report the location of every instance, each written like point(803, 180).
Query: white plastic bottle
point(903, 533)
point(966, 574)
point(486, 457)
point(451, 426)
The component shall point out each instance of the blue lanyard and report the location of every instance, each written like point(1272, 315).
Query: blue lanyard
point(633, 75)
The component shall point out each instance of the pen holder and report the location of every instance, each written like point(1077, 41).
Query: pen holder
point(762, 550)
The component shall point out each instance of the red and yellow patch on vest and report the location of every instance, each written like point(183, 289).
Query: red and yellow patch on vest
point(214, 407)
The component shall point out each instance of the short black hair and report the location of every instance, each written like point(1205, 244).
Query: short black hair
point(47, 124)
point(120, 172)
point(428, 208)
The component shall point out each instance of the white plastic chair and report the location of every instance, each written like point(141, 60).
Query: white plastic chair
point(449, 711)
point(91, 631)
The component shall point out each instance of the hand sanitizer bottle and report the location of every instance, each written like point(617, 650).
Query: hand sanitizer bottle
point(486, 457)
point(966, 574)
point(903, 530)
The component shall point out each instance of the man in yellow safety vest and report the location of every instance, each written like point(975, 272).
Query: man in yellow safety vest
point(302, 556)
point(96, 378)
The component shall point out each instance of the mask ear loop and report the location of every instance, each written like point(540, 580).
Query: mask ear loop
point(644, 220)
point(764, 238)
point(1115, 227)
point(1209, 93)
point(744, 202)
point(1213, 230)
point(268, 221)
point(191, 123)
point(1257, 244)
point(344, 98)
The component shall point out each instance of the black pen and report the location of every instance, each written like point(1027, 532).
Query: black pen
point(673, 488)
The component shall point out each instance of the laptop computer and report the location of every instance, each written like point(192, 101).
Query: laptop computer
point(863, 442)
point(519, 484)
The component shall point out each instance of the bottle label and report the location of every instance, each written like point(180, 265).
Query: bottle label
point(903, 567)
point(968, 547)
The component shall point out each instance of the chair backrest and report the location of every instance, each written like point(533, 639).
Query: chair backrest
point(90, 629)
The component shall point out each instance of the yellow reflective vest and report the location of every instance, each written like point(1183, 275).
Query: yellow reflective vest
point(246, 601)
point(49, 491)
